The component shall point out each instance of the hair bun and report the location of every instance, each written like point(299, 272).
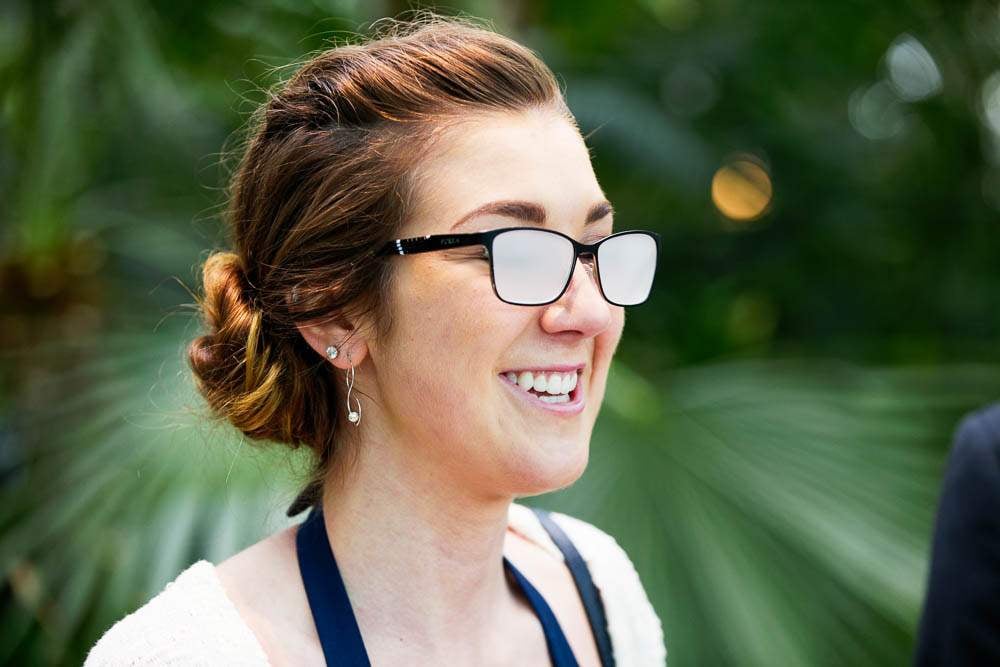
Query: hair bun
point(227, 303)
point(247, 373)
point(233, 335)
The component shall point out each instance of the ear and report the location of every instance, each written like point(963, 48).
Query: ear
point(351, 348)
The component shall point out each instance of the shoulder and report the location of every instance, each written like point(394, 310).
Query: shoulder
point(978, 435)
point(635, 629)
point(974, 460)
point(190, 620)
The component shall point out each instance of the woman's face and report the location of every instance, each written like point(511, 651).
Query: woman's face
point(442, 377)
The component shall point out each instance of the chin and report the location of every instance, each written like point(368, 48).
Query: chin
point(544, 470)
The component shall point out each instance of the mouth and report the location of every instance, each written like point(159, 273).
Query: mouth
point(562, 403)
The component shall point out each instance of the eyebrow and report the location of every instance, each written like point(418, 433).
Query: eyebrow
point(530, 211)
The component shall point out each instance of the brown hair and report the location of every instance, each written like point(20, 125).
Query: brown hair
point(326, 179)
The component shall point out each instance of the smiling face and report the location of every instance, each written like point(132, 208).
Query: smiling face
point(443, 379)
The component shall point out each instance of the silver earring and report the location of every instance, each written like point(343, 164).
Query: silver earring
point(352, 416)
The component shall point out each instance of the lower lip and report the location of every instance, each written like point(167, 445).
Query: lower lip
point(572, 407)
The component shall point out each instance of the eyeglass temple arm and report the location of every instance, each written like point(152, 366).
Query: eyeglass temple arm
point(417, 244)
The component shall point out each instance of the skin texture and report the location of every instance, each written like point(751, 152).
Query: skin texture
point(444, 447)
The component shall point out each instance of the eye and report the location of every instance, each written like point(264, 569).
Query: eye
point(469, 252)
point(476, 255)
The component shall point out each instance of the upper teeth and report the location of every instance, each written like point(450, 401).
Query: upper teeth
point(549, 383)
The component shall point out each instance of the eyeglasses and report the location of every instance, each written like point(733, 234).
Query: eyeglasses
point(533, 267)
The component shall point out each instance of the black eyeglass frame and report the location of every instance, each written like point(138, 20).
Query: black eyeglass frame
point(419, 244)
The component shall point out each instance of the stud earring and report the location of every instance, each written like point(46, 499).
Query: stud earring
point(332, 352)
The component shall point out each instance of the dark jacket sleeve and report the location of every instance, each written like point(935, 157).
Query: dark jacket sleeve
point(960, 624)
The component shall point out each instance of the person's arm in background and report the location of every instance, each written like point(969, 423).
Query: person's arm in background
point(961, 616)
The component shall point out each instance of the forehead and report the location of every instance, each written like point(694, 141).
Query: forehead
point(535, 156)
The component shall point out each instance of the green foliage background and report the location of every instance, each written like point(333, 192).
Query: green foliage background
point(779, 414)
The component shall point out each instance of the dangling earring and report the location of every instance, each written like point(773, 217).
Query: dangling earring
point(352, 416)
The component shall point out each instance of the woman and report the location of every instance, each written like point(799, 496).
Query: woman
point(436, 371)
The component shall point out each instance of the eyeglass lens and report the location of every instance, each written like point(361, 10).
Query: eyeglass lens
point(532, 266)
point(627, 264)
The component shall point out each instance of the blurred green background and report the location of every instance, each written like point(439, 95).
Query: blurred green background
point(826, 178)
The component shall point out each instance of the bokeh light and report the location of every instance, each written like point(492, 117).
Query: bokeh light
point(741, 188)
point(991, 102)
point(912, 71)
point(877, 113)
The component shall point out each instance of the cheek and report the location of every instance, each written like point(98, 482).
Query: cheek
point(607, 341)
point(453, 317)
point(453, 303)
point(452, 332)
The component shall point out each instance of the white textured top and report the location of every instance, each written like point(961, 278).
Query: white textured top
point(192, 621)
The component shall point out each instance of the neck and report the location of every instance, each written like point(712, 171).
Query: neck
point(420, 553)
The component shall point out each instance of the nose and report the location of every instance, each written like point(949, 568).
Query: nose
point(582, 307)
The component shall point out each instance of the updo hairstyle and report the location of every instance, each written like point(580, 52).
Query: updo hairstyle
point(325, 180)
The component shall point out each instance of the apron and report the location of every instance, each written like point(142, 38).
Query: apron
point(336, 624)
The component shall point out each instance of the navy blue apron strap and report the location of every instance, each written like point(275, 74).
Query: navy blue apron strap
point(338, 630)
point(589, 593)
point(560, 652)
point(336, 625)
